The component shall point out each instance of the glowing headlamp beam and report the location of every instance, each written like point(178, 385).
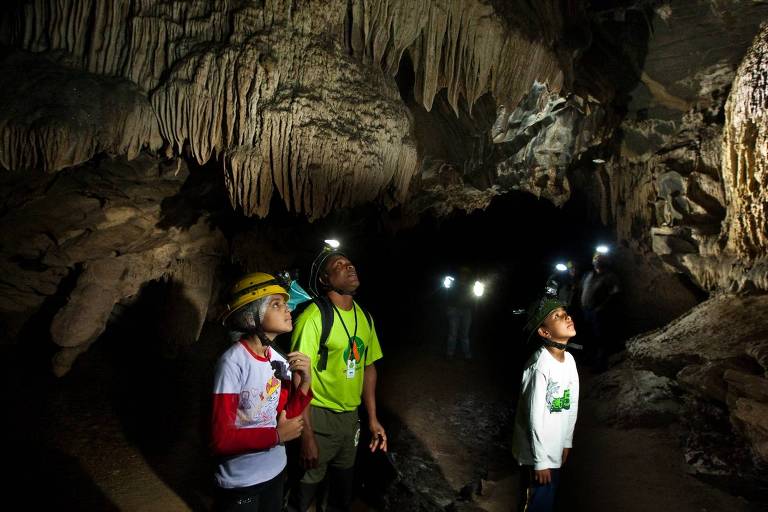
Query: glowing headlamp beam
point(560, 267)
point(333, 244)
point(448, 281)
point(602, 249)
point(478, 289)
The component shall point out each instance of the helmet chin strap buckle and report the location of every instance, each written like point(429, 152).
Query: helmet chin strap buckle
point(562, 346)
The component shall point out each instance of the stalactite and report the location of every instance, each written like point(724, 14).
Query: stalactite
point(266, 88)
point(462, 45)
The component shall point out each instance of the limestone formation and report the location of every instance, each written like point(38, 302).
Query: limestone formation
point(105, 231)
point(464, 46)
point(683, 186)
point(290, 97)
point(53, 117)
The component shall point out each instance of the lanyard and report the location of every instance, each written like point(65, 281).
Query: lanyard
point(351, 338)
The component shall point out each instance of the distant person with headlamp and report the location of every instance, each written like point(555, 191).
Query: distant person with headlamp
point(599, 294)
point(459, 298)
point(561, 283)
point(344, 374)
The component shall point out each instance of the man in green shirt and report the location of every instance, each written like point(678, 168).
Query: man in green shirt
point(341, 377)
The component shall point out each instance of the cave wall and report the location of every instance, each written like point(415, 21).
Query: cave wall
point(674, 187)
point(76, 243)
point(683, 186)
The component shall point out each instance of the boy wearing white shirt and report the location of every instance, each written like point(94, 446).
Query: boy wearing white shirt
point(548, 405)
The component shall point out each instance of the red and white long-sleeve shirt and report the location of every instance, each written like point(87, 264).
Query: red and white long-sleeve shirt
point(247, 399)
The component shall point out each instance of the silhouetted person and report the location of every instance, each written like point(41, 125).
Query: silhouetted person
point(459, 306)
point(599, 293)
point(562, 284)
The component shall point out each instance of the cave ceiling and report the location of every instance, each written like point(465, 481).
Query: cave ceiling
point(653, 111)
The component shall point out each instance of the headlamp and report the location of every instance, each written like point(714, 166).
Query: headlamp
point(330, 248)
point(602, 249)
point(561, 267)
point(478, 289)
point(448, 281)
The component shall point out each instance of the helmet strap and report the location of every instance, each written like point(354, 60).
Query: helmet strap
point(561, 346)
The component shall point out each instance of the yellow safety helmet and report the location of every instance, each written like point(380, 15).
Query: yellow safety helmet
point(252, 287)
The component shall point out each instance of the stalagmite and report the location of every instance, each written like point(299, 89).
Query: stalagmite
point(745, 155)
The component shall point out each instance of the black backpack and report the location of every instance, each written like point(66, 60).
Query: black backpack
point(326, 321)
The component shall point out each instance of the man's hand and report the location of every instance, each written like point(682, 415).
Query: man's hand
point(287, 430)
point(378, 436)
point(309, 450)
point(566, 452)
point(542, 476)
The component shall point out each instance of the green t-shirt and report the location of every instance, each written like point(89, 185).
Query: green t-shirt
point(333, 388)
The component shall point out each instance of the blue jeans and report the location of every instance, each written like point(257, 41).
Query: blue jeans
point(536, 497)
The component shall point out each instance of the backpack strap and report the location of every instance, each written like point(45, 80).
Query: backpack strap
point(326, 322)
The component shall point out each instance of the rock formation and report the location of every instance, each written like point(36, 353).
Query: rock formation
point(93, 235)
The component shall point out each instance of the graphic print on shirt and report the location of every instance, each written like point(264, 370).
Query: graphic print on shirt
point(557, 403)
point(259, 408)
point(358, 351)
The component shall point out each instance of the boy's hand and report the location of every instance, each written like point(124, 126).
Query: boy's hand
point(566, 451)
point(542, 476)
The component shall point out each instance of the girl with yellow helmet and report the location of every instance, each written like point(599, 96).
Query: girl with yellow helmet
point(258, 397)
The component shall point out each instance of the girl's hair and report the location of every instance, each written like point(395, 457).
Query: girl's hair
point(246, 321)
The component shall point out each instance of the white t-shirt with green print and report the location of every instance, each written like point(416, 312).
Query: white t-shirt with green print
point(547, 410)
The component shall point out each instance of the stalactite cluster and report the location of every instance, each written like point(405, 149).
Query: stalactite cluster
point(267, 89)
point(463, 46)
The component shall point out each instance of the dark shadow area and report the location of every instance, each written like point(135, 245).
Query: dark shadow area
point(203, 192)
point(160, 402)
point(41, 472)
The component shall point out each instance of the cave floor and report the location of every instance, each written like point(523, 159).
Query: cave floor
point(123, 432)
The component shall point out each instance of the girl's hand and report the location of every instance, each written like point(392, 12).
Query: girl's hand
point(301, 365)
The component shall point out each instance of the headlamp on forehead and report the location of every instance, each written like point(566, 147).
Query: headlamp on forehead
point(478, 289)
point(561, 267)
point(330, 248)
point(602, 249)
point(448, 281)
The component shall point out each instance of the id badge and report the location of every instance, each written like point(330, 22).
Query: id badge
point(350, 368)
